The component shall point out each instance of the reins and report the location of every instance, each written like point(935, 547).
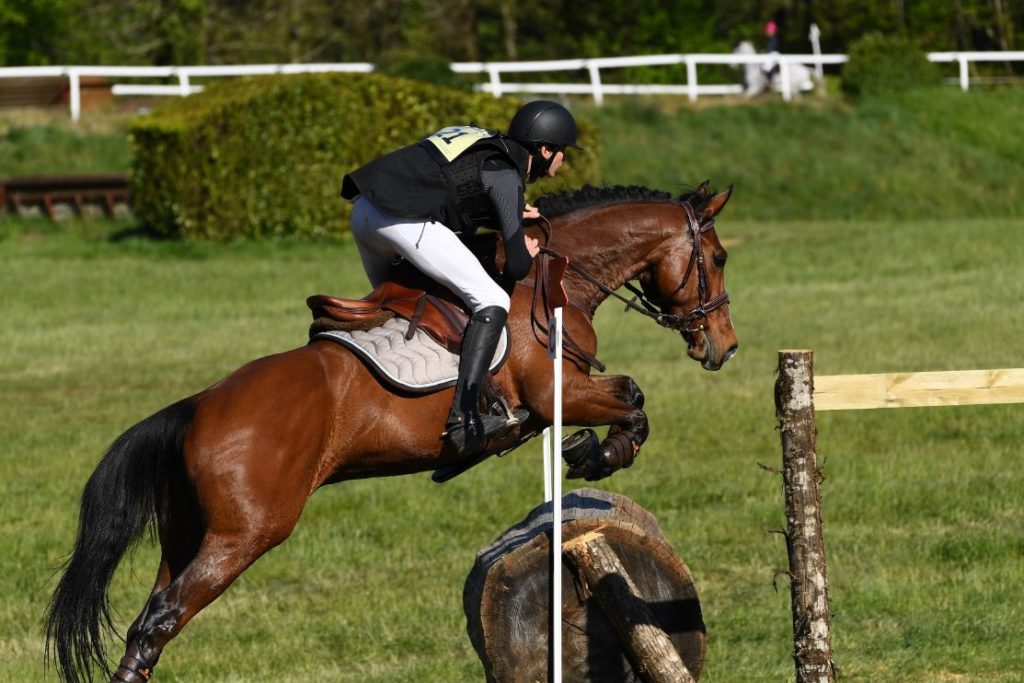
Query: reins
point(648, 306)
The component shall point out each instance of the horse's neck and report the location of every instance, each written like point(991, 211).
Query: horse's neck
point(613, 244)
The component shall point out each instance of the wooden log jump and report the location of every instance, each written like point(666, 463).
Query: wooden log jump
point(602, 575)
point(630, 609)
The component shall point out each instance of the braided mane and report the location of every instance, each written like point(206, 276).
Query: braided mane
point(589, 196)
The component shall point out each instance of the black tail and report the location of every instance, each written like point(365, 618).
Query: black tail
point(123, 496)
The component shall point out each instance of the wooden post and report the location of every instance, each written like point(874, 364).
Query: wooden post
point(794, 406)
point(652, 653)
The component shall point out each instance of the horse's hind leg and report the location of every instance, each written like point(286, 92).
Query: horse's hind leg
point(250, 457)
point(222, 557)
point(181, 533)
point(235, 537)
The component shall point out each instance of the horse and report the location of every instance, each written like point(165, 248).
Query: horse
point(223, 475)
point(757, 82)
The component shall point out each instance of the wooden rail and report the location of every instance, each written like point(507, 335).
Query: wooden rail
point(913, 389)
point(107, 192)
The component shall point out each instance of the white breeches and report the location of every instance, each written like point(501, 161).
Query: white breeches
point(434, 249)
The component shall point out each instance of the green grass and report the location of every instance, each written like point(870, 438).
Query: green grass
point(923, 507)
point(46, 142)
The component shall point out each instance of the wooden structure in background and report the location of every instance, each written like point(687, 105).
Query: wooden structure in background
point(108, 193)
point(53, 91)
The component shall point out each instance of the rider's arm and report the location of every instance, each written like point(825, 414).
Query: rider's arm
point(506, 190)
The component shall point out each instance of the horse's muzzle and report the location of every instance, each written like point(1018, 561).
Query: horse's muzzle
point(701, 348)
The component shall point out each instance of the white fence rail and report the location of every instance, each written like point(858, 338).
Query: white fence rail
point(74, 74)
point(595, 87)
point(965, 58)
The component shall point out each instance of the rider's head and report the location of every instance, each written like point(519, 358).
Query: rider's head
point(545, 128)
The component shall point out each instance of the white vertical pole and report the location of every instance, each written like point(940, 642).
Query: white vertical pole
point(558, 300)
point(75, 94)
point(595, 83)
point(965, 80)
point(815, 36)
point(787, 91)
point(556, 510)
point(495, 80)
point(691, 78)
point(183, 83)
point(547, 465)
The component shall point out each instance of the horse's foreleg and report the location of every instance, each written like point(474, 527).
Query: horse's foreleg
point(622, 387)
point(614, 401)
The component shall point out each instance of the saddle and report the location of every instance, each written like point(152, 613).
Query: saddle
point(439, 316)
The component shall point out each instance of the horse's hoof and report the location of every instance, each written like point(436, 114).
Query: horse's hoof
point(131, 669)
point(600, 461)
point(579, 447)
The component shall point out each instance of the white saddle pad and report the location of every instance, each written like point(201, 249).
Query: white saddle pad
point(420, 364)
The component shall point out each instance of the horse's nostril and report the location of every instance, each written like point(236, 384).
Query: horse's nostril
point(731, 352)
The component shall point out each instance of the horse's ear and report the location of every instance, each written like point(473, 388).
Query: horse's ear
point(711, 207)
point(703, 190)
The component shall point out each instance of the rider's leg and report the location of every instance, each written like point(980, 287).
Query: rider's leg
point(376, 253)
point(439, 254)
point(434, 249)
point(467, 429)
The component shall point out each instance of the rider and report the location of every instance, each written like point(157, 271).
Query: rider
point(771, 34)
point(420, 202)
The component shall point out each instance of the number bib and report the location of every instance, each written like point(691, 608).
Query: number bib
point(454, 140)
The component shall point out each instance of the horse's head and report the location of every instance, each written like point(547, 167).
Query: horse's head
point(744, 47)
point(686, 279)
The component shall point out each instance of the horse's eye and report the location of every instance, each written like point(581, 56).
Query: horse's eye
point(719, 260)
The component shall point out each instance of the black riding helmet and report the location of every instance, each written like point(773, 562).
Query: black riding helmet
point(543, 122)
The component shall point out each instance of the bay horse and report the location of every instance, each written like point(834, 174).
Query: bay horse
point(224, 474)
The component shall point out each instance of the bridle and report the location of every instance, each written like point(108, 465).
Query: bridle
point(691, 322)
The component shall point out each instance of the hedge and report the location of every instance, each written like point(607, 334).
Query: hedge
point(882, 64)
point(263, 157)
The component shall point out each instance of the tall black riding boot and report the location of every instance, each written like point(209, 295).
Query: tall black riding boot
point(468, 430)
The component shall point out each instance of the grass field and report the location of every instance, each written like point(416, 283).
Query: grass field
point(923, 507)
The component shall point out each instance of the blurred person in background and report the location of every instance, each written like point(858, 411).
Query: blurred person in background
point(771, 34)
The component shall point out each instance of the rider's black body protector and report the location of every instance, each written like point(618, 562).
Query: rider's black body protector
point(417, 181)
point(467, 429)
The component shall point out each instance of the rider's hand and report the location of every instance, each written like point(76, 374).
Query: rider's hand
point(532, 245)
point(531, 212)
